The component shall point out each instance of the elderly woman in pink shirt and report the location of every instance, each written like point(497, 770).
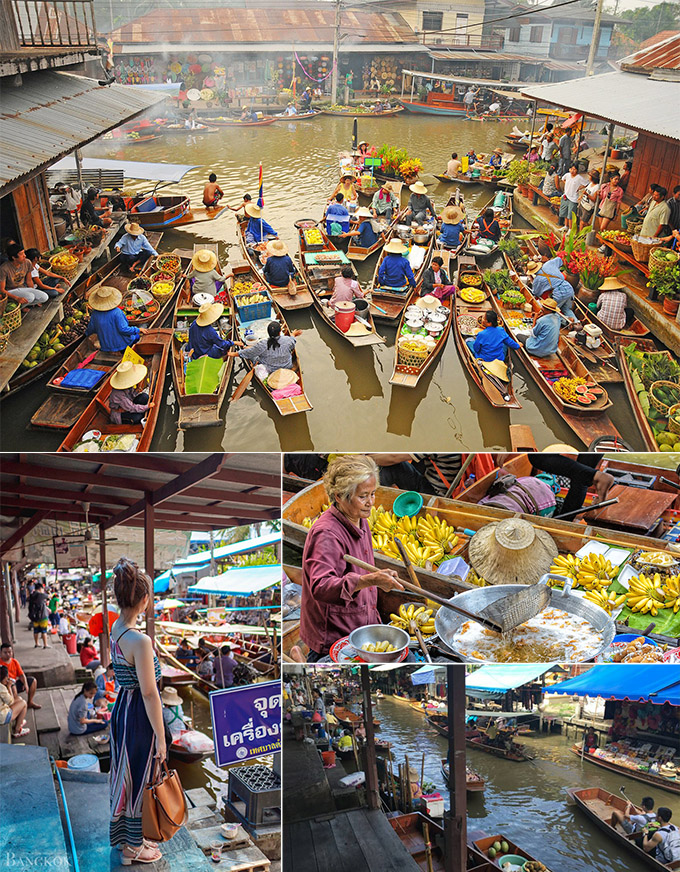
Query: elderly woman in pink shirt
point(337, 597)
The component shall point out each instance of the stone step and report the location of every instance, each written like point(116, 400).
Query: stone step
point(46, 720)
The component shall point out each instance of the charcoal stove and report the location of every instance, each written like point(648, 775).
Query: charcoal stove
point(258, 788)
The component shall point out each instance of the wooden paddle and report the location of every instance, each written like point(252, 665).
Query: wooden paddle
point(242, 385)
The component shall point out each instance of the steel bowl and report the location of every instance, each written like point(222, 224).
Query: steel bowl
point(447, 623)
point(421, 238)
point(379, 633)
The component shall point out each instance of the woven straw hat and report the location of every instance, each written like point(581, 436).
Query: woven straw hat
point(170, 697)
point(452, 214)
point(128, 374)
point(134, 229)
point(497, 368)
point(429, 302)
point(363, 212)
point(498, 151)
point(356, 328)
point(204, 260)
point(208, 313)
point(346, 174)
point(549, 303)
point(253, 210)
point(418, 188)
point(282, 378)
point(395, 246)
point(277, 247)
point(559, 448)
point(512, 551)
point(533, 267)
point(104, 298)
point(611, 283)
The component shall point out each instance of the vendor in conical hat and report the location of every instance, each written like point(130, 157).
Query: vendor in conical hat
point(135, 249)
point(268, 355)
point(420, 206)
point(108, 322)
point(127, 401)
point(395, 270)
point(544, 337)
point(612, 302)
point(512, 551)
point(453, 226)
point(205, 276)
point(492, 345)
point(279, 269)
point(257, 230)
point(204, 338)
point(384, 202)
point(173, 713)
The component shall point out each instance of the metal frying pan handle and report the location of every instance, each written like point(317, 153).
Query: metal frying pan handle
point(567, 581)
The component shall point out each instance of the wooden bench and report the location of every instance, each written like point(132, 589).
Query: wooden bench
point(538, 194)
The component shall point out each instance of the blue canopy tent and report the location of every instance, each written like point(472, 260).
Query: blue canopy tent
point(656, 682)
point(496, 680)
point(239, 581)
point(428, 675)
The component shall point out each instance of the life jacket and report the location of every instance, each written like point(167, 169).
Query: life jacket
point(668, 850)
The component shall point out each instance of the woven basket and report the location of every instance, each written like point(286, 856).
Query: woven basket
point(633, 226)
point(642, 250)
point(12, 320)
point(535, 179)
point(658, 404)
point(656, 259)
point(673, 425)
point(162, 298)
point(4, 336)
point(3, 303)
point(163, 258)
point(412, 358)
point(66, 272)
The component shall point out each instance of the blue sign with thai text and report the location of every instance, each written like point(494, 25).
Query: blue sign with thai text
point(246, 721)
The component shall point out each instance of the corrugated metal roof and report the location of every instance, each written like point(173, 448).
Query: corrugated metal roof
point(649, 105)
point(658, 37)
point(662, 55)
point(299, 25)
point(52, 113)
point(472, 55)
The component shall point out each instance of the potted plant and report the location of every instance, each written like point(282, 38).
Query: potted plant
point(665, 280)
point(409, 170)
point(518, 174)
point(618, 145)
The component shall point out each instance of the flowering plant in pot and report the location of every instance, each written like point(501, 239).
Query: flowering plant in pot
point(592, 268)
point(410, 168)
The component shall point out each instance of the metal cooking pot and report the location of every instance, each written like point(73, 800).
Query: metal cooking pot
point(448, 623)
point(421, 238)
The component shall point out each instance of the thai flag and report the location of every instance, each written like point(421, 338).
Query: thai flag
point(260, 197)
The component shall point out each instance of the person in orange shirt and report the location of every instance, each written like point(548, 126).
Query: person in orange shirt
point(16, 673)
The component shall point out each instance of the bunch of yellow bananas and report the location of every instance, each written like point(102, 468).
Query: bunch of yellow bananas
point(645, 594)
point(565, 564)
point(307, 522)
point(607, 601)
point(422, 616)
point(421, 555)
point(671, 590)
point(595, 572)
point(384, 522)
point(437, 533)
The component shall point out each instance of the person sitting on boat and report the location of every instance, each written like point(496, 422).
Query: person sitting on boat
point(346, 742)
point(453, 166)
point(549, 279)
point(364, 149)
point(346, 288)
point(241, 206)
point(206, 665)
point(290, 109)
point(185, 654)
point(275, 352)
point(90, 215)
point(487, 225)
point(107, 685)
point(472, 157)
point(134, 248)
point(44, 279)
point(128, 403)
point(419, 205)
point(611, 303)
point(384, 202)
point(416, 790)
point(590, 741)
point(543, 339)
point(632, 823)
point(204, 338)
point(224, 667)
point(495, 108)
point(664, 842)
point(257, 228)
point(496, 159)
point(212, 193)
point(366, 235)
point(279, 270)
point(453, 226)
point(108, 322)
point(205, 276)
point(395, 270)
point(306, 99)
point(436, 282)
point(173, 713)
point(347, 187)
point(492, 342)
point(248, 114)
point(337, 214)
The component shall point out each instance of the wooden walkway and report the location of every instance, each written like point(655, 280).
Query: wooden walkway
point(353, 841)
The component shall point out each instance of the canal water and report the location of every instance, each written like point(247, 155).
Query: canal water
point(524, 801)
point(445, 412)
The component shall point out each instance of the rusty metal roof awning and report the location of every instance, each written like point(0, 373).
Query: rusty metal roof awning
point(469, 54)
point(52, 113)
point(661, 55)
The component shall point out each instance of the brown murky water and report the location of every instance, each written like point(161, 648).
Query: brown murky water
point(355, 407)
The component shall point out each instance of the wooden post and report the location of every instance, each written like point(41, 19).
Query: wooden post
point(455, 819)
point(393, 785)
point(149, 559)
point(5, 628)
point(104, 640)
point(372, 791)
point(15, 594)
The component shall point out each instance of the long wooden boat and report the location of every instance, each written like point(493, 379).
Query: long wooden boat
point(176, 128)
point(411, 829)
point(154, 347)
point(320, 278)
point(646, 777)
point(284, 405)
point(198, 410)
point(361, 252)
point(478, 740)
point(235, 122)
point(483, 843)
point(634, 328)
point(598, 804)
point(457, 109)
point(449, 255)
point(500, 394)
point(586, 422)
point(387, 304)
point(65, 405)
point(157, 211)
point(641, 419)
point(302, 299)
point(465, 179)
point(178, 754)
point(300, 116)
point(352, 112)
point(503, 216)
point(349, 718)
point(474, 783)
point(407, 371)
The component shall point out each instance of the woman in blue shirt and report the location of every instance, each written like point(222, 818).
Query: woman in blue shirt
point(453, 227)
point(492, 342)
point(257, 227)
point(395, 270)
point(337, 213)
point(204, 338)
point(108, 321)
point(544, 338)
point(279, 269)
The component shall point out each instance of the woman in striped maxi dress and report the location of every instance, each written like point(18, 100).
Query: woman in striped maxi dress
point(137, 731)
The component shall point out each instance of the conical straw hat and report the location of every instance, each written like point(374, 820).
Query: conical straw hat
point(512, 551)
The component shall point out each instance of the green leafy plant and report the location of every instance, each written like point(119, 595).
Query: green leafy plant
point(665, 279)
point(392, 158)
point(511, 247)
point(203, 375)
point(621, 142)
point(499, 282)
point(518, 172)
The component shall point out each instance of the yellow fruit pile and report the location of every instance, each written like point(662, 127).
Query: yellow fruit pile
point(383, 647)
point(250, 299)
point(423, 617)
point(565, 387)
point(646, 594)
point(427, 540)
point(592, 572)
point(656, 558)
point(671, 589)
point(607, 601)
point(242, 288)
point(307, 522)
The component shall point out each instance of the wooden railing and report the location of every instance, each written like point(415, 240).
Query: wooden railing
point(435, 38)
point(35, 24)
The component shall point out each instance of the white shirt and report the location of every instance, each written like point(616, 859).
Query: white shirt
point(494, 107)
point(572, 184)
point(591, 189)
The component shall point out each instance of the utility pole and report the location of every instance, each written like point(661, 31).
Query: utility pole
point(336, 41)
point(596, 39)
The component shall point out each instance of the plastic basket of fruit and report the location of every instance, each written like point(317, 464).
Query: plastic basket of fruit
point(139, 306)
point(313, 239)
point(168, 263)
point(474, 280)
point(162, 276)
point(253, 305)
point(663, 395)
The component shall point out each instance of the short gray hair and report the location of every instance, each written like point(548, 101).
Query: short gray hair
point(346, 473)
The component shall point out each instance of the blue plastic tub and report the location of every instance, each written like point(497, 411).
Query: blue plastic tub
point(84, 379)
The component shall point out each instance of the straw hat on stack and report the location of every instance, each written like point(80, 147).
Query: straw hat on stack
point(204, 260)
point(395, 246)
point(208, 313)
point(127, 375)
point(104, 298)
point(512, 551)
point(428, 302)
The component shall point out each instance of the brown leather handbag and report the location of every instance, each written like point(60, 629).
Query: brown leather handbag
point(164, 808)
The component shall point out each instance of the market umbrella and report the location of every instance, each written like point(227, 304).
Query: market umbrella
point(169, 603)
point(96, 622)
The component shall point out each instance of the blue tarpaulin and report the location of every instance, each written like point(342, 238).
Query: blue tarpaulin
point(428, 675)
point(498, 679)
point(655, 682)
point(239, 581)
point(201, 558)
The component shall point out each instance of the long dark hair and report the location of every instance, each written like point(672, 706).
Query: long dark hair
point(273, 331)
point(87, 685)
